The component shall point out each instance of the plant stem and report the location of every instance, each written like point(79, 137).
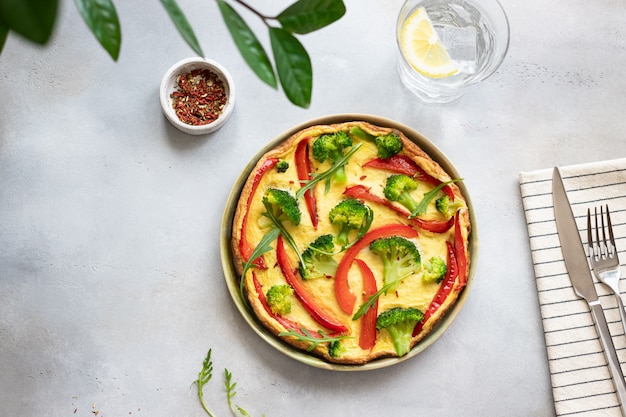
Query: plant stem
point(253, 10)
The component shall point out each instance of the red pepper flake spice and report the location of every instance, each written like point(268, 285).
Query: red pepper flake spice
point(199, 98)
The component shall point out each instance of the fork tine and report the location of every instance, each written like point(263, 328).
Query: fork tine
point(589, 234)
point(604, 245)
point(611, 236)
point(598, 244)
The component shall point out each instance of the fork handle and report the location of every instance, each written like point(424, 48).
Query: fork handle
point(610, 353)
point(620, 306)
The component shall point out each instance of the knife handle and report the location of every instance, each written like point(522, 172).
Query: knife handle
point(609, 352)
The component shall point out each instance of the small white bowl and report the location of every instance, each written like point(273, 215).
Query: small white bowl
point(168, 85)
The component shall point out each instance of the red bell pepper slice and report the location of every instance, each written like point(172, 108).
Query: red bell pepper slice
point(447, 284)
point(303, 168)
point(367, 339)
point(457, 270)
point(402, 164)
point(245, 249)
point(459, 249)
point(345, 298)
point(302, 294)
point(362, 193)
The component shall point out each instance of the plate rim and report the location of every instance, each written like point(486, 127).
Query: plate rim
point(230, 275)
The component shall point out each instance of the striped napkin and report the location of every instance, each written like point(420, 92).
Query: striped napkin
point(581, 382)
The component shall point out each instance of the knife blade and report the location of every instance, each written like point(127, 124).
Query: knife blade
point(575, 259)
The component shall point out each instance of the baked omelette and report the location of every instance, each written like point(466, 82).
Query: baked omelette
point(352, 242)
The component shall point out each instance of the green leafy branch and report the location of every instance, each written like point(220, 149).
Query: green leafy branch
point(205, 375)
point(35, 20)
point(371, 300)
point(326, 175)
point(429, 196)
point(314, 340)
point(263, 247)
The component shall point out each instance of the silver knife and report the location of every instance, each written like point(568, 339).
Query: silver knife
point(575, 259)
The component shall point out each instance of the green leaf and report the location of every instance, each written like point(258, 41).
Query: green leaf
point(428, 197)
point(205, 376)
point(305, 16)
point(314, 340)
point(322, 176)
point(182, 24)
point(4, 33)
point(230, 394)
point(33, 19)
point(248, 45)
point(262, 247)
point(101, 18)
point(293, 66)
point(371, 300)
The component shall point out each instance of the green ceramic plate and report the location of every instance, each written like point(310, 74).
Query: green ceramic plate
point(232, 279)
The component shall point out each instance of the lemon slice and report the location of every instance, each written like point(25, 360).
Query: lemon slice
point(423, 49)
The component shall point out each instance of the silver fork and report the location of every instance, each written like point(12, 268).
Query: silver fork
point(603, 256)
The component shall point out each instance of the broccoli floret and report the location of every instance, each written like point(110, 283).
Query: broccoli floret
point(398, 188)
point(446, 206)
point(400, 322)
point(349, 215)
point(400, 259)
point(434, 270)
point(282, 166)
point(281, 204)
point(335, 348)
point(388, 145)
point(279, 299)
point(331, 147)
point(318, 259)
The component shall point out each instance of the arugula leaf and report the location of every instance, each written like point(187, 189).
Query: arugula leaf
point(328, 173)
point(261, 248)
point(182, 25)
point(293, 66)
point(428, 197)
point(306, 336)
point(305, 16)
point(101, 18)
point(230, 394)
point(204, 376)
point(33, 19)
point(371, 300)
point(248, 45)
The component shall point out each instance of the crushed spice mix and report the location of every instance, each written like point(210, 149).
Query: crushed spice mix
point(199, 97)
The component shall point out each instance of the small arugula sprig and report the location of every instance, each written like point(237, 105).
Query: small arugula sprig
point(372, 299)
point(306, 336)
point(264, 246)
point(326, 175)
point(205, 375)
point(429, 196)
point(230, 394)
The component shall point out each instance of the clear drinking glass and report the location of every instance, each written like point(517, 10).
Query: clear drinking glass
point(476, 35)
